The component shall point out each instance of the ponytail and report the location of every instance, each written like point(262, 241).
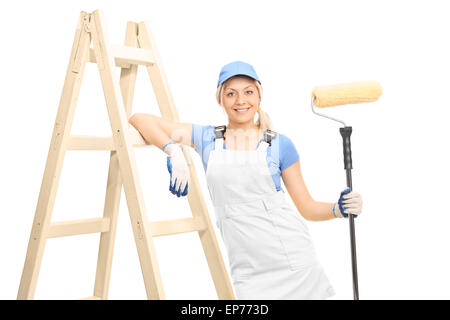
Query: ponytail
point(263, 121)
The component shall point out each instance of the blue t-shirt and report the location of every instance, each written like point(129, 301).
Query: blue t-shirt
point(280, 155)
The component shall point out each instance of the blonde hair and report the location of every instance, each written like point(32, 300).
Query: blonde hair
point(263, 121)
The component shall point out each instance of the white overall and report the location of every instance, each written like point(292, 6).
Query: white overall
point(269, 248)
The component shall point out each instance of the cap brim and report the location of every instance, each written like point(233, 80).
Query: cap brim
point(238, 74)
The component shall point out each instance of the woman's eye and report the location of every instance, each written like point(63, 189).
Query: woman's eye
point(250, 91)
point(229, 94)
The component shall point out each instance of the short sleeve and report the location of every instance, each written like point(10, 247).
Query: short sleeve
point(203, 141)
point(288, 152)
point(197, 133)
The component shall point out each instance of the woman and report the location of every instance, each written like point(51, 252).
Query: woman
point(269, 248)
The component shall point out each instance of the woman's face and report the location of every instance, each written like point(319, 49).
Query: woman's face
point(240, 100)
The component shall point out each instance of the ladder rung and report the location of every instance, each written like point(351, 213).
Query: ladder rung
point(124, 56)
point(71, 228)
point(80, 142)
point(169, 227)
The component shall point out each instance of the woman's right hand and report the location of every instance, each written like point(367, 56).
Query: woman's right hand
point(157, 131)
point(178, 169)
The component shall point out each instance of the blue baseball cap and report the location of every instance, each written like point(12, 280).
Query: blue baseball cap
point(236, 68)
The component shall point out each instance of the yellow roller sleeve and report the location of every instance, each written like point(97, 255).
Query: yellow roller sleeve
point(346, 93)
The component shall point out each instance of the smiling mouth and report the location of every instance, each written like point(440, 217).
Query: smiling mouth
point(242, 110)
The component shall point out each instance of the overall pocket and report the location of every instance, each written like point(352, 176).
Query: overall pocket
point(294, 237)
point(253, 245)
point(238, 257)
point(240, 266)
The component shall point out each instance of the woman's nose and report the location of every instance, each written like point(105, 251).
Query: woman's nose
point(240, 99)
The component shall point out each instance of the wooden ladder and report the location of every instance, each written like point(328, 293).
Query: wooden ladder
point(139, 49)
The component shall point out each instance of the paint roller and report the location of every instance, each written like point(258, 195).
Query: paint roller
point(336, 95)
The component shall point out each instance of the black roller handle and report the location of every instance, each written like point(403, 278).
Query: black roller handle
point(346, 133)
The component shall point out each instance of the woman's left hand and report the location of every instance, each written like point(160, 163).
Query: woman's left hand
point(349, 203)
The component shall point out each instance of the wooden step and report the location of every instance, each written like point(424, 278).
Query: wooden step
point(85, 142)
point(159, 228)
point(170, 227)
point(124, 56)
point(76, 227)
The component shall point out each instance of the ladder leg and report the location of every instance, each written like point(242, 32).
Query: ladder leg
point(216, 265)
point(111, 210)
point(196, 202)
point(209, 243)
point(128, 169)
point(114, 185)
point(61, 130)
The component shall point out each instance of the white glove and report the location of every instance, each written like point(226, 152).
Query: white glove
point(349, 203)
point(178, 169)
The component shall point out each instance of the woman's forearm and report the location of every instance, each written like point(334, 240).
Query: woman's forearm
point(148, 126)
point(320, 211)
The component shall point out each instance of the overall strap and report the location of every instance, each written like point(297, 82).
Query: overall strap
point(219, 131)
point(269, 135)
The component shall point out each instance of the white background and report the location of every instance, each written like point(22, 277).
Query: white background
point(400, 143)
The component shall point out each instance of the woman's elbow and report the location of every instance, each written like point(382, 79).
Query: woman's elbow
point(306, 211)
point(132, 120)
point(135, 118)
point(140, 119)
point(307, 216)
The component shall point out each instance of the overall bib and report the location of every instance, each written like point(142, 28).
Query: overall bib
point(269, 248)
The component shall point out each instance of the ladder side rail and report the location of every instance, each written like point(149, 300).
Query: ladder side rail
point(197, 204)
point(55, 159)
point(114, 184)
point(128, 169)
